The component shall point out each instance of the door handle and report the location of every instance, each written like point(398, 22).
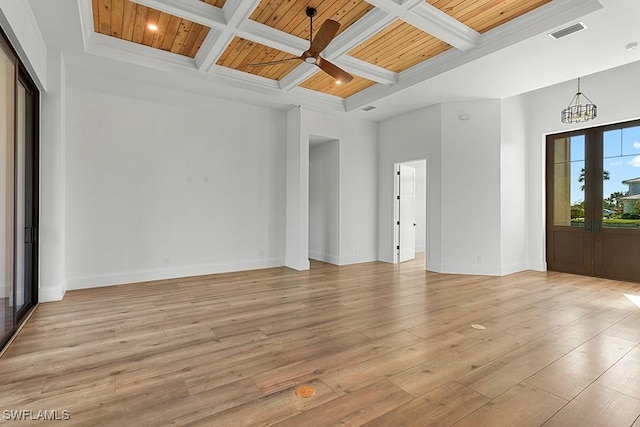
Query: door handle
point(597, 227)
point(587, 226)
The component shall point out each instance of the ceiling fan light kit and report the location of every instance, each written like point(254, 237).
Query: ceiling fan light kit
point(317, 44)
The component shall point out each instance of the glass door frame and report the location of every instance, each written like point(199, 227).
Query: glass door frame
point(568, 247)
point(593, 249)
point(31, 185)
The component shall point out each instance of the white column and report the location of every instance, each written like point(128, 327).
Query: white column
point(297, 250)
point(52, 285)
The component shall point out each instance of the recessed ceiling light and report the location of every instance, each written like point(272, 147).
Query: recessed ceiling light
point(338, 82)
point(152, 27)
point(631, 46)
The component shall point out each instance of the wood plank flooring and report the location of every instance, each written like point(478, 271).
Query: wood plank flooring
point(383, 345)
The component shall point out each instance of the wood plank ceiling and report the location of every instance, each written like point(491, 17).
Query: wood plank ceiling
point(396, 48)
point(485, 15)
point(290, 17)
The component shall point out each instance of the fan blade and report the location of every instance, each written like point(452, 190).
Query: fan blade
point(280, 61)
point(325, 34)
point(334, 71)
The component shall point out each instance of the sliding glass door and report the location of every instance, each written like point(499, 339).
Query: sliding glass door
point(7, 204)
point(26, 190)
point(593, 201)
point(18, 192)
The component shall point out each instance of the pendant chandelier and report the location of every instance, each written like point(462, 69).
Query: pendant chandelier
point(577, 112)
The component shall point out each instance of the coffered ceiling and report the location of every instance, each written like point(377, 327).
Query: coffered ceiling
point(385, 44)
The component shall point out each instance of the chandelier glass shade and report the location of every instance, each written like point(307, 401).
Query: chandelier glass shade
point(577, 112)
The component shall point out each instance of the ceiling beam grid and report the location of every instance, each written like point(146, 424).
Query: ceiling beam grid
point(431, 20)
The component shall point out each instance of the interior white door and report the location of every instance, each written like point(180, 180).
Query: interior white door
point(407, 213)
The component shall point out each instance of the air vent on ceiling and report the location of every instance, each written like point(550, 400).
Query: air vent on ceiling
point(573, 28)
point(368, 108)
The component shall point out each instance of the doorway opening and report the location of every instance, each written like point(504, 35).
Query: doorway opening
point(324, 199)
point(410, 210)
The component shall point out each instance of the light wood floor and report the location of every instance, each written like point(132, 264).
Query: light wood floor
point(383, 345)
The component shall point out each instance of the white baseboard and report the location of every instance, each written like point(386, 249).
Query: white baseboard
point(538, 266)
point(420, 248)
point(478, 269)
point(331, 259)
point(359, 258)
point(297, 264)
point(515, 267)
point(96, 281)
point(50, 293)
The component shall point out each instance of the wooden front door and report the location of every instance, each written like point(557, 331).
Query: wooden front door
point(593, 201)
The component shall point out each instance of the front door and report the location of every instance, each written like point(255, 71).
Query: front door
point(593, 201)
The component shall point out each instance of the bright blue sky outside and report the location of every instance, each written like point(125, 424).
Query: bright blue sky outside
point(621, 158)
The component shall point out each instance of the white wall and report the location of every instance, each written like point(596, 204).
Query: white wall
point(513, 187)
point(471, 187)
point(421, 202)
point(324, 201)
point(20, 26)
point(358, 180)
point(52, 182)
point(616, 93)
point(297, 190)
point(416, 135)
point(463, 195)
point(170, 186)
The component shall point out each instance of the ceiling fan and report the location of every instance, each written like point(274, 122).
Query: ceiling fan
point(326, 33)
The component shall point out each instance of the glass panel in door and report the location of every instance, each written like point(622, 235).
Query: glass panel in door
point(21, 142)
point(7, 82)
point(569, 181)
point(621, 178)
point(617, 218)
point(568, 233)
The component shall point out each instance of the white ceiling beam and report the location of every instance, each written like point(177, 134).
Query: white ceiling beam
point(431, 20)
point(359, 32)
point(245, 78)
point(234, 12)
point(212, 47)
point(409, 4)
point(299, 74)
point(194, 10)
point(269, 36)
point(122, 50)
point(366, 70)
point(86, 20)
